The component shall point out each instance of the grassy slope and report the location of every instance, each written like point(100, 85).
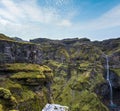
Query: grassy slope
point(76, 79)
point(4, 37)
point(24, 94)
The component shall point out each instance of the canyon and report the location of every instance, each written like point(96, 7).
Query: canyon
point(69, 72)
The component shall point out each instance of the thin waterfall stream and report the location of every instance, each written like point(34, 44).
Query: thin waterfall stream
point(109, 82)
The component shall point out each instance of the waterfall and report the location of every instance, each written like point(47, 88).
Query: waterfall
point(109, 82)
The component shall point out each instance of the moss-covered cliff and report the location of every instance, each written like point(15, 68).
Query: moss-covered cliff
point(69, 72)
point(24, 86)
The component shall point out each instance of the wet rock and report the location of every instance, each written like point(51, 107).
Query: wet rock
point(103, 89)
point(114, 80)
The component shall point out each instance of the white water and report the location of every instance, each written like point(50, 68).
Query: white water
point(109, 82)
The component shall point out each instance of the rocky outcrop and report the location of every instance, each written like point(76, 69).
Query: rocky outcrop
point(55, 107)
point(12, 52)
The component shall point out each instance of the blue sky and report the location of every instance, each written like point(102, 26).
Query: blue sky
point(59, 19)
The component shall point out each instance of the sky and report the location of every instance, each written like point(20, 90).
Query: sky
point(60, 19)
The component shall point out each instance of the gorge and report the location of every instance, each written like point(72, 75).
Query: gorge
point(69, 72)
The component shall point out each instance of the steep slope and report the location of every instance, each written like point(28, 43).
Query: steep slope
point(80, 65)
point(24, 86)
point(79, 73)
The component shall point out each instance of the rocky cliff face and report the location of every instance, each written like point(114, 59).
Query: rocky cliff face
point(79, 68)
point(12, 52)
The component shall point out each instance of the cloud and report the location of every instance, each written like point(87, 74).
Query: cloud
point(109, 19)
point(65, 23)
point(27, 18)
point(29, 11)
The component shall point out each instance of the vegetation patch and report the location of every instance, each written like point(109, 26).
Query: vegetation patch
point(116, 71)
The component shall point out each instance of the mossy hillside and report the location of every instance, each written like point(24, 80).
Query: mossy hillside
point(63, 54)
point(1, 107)
point(83, 71)
point(19, 91)
point(82, 82)
point(64, 94)
point(9, 84)
point(7, 100)
point(59, 69)
point(28, 71)
point(89, 102)
point(11, 40)
point(52, 63)
point(116, 50)
point(26, 97)
point(32, 99)
point(84, 76)
point(85, 52)
point(87, 80)
point(109, 46)
point(81, 101)
point(26, 67)
point(26, 75)
point(77, 73)
point(4, 37)
point(29, 95)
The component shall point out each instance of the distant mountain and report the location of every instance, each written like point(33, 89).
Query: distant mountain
point(18, 39)
point(109, 46)
point(68, 41)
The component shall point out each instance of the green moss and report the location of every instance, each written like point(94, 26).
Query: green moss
point(8, 39)
point(26, 71)
point(23, 84)
point(26, 98)
point(4, 37)
point(96, 80)
point(84, 64)
point(35, 104)
point(27, 75)
point(8, 100)
point(5, 93)
point(65, 53)
point(26, 67)
point(8, 84)
point(1, 107)
point(116, 70)
point(89, 102)
point(53, 64)
point(82, 82)
point(26, 95)
point(68, 92)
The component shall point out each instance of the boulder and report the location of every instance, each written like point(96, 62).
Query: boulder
point(55, 107)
